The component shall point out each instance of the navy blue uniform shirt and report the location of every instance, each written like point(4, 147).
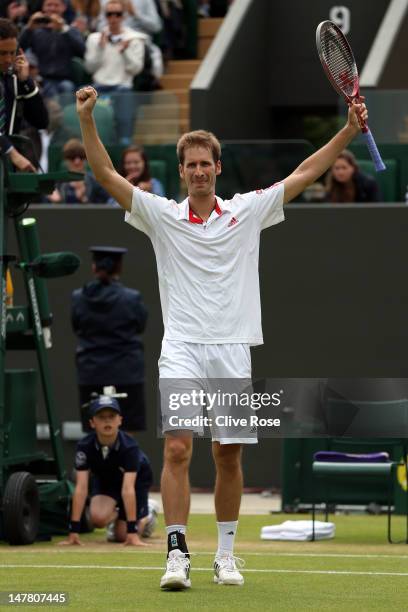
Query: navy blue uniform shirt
point(124, 456)
point(108, 320)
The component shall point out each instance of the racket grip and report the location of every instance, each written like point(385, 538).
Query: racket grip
point(374, 152)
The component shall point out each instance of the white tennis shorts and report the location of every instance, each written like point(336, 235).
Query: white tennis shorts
point(202, 386)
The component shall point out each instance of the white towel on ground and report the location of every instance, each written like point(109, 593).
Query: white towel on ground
point(298, 531)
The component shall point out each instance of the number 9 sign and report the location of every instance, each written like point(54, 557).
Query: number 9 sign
point(340, 15)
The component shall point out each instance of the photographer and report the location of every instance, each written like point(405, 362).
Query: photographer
point(19, 96)
point(55, 44)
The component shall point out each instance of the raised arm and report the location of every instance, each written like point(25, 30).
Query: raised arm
point(314, 166)
point(97, 156)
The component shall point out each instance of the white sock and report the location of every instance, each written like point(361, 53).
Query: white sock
point(181, 528)
point(226, 537)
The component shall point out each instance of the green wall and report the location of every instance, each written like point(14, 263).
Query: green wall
point(334, 295)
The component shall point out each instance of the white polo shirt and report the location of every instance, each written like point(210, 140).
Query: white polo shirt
point(208, 272)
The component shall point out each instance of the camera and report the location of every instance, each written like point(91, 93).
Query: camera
point(44, 20)
point(114, 39)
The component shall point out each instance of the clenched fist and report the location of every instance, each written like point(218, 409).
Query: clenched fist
point(86, 100)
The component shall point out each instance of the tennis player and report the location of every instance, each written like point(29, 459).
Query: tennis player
point(207, 258)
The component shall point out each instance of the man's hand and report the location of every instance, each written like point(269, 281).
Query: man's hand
point(16, 10)
point(80, 24)
point(103, 40)
point(124, 45)
point(128, 6)
point(33, 22)
point(132, 539)
point(80, 191)
point(357, 115)
point(72, 540)
point(57, 22)
point(54, 197)
point(86, 100)
point(21, 162)
point(22, 66)
point(145, 185)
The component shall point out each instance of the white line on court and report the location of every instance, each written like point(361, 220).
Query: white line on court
point(201, 569)
point(243, 553)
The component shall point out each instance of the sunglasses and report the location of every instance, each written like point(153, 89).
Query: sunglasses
point(72, 156)
point(114, 14)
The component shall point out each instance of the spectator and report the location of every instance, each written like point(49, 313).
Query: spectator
point(17, 11)
point(89, 11)
point(135, 168)
point(33, 70)
point(114, 57)
point(108, 319)
point(20, 98)
point(213, 8)
point(315, 193)
point(203, 8)
point(174, 35)
point(143, 17)
point(87, 191)
point(121, 479)
point(55, 44)
point(55, 135)
point(346, 183)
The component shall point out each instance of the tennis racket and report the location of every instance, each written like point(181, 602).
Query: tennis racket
point(340, 67)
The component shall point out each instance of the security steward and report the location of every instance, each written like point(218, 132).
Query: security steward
point(120, 477)
point(108, 318)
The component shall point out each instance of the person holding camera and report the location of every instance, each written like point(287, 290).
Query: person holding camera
point(55, 44)
point(114, 57)
point(20, 99)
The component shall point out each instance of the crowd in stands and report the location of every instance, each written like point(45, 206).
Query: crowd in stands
point(135, 168)
point(344, 183)
point(116, 41)
point(86, 191)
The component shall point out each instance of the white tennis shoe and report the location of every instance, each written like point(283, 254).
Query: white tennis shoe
point(153, 510)
point(177, 574)
point(226, 570)
point(110, 532)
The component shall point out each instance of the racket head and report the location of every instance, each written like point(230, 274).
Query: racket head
point(337, 60)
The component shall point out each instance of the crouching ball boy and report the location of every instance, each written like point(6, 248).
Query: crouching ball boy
point(120, 479)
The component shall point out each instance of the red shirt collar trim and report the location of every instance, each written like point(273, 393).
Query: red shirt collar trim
point(193, 218)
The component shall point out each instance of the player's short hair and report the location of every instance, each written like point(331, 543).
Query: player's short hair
point(7, 29)
point(199, 138)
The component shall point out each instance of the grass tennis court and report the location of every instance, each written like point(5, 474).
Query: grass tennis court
point(357, 570)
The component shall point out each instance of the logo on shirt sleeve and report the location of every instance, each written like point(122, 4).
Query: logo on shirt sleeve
point(261, 191)
point(80, 459)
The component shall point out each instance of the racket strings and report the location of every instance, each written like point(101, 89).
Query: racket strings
point(339, 61)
